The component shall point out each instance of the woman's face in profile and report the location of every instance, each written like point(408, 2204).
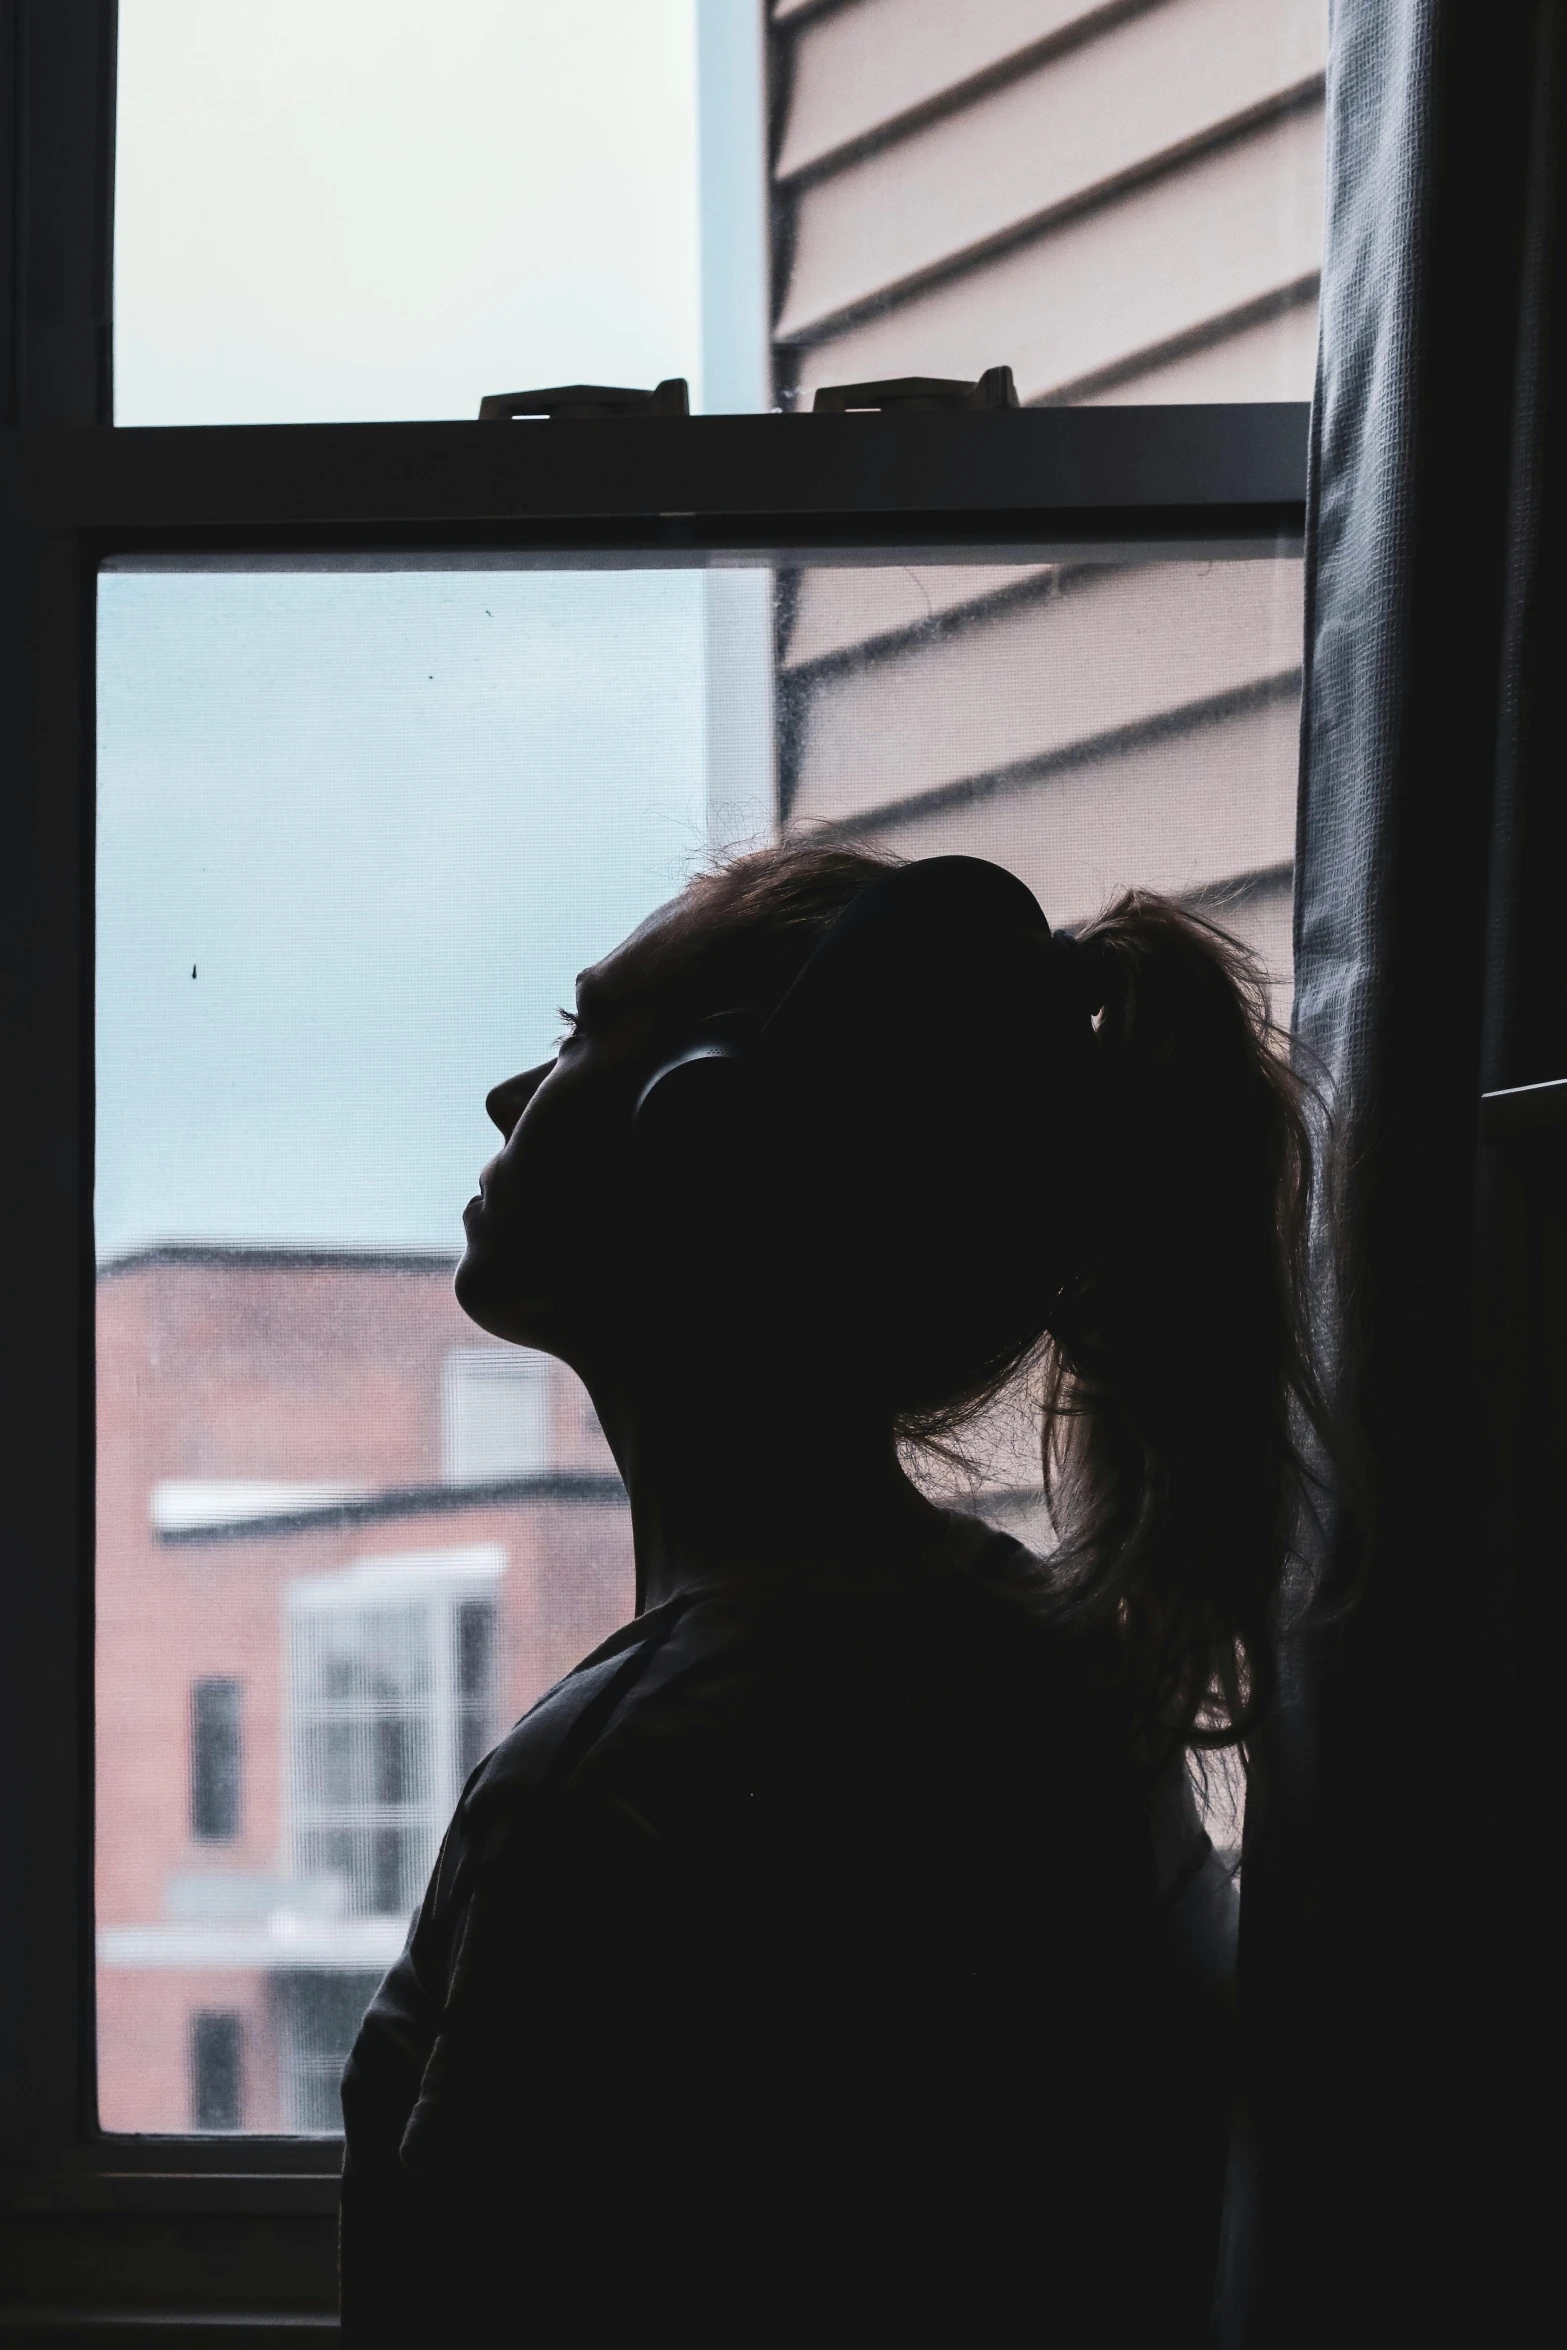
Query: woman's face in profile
point(540, 1265)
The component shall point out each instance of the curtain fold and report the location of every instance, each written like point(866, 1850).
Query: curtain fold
point(1380, 2175)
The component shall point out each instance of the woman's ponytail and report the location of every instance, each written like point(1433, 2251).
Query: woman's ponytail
point(1180, 1388)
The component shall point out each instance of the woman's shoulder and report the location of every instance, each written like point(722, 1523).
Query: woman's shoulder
point(547, 1746)
point(945, 1694)
point(955, 1679)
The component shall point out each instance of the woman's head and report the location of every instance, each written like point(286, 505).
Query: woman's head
point(948, 1150)
point(575, 1230)
point(841, 1094)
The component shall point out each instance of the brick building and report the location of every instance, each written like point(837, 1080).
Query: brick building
point(341, 1543)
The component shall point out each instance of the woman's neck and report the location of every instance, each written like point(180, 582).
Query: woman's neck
point(729, 1490)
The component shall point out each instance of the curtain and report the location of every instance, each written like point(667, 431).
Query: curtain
point(1391, 1983)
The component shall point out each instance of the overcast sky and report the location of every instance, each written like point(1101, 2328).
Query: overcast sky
point(371, 208)
point(356, 837)
point(356, 834)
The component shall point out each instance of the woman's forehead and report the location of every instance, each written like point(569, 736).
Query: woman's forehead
point(654, 932)
point(728, 940)
point(648, 963)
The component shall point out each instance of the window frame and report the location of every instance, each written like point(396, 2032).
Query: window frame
point(1147, 482)
point(73, 490)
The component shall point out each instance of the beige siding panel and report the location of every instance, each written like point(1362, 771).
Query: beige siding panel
point(836, 609)
point(1183, 816)
point(1150, 86)
point(1104, 650)
point(861, 67)
point(1226, 230)
point(1272, 359)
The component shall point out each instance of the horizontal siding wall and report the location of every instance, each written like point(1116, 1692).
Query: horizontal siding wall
point(1079, 657)
point(839, 609)
point(1089, 728)
point(1165, 812)
point(1093, 729)
point(1125, 106)
point(1073, 191)
point(1268, 353)
point(1122, 202)
point(1190, 257)
point(859, 71)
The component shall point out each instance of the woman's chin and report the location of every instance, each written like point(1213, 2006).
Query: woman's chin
point(493, 1302)
point(476, 1289)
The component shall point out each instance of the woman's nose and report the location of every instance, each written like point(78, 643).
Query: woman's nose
point(505, 1103)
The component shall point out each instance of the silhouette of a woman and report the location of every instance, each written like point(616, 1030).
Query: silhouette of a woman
point(838, 1947)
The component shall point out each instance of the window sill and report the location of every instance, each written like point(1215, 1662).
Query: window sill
point(273, 2179)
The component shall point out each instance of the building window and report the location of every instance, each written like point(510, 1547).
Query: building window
point(475, 1643)
point(217, 2070)
point(317, 2011)
point(215, 1760)
point(392, 1701)
point(495, 1414)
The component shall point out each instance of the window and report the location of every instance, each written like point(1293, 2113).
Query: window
point(217, 2070)
point(495, 1414)
point(215, 1760)
point(304, 672)
point(369, 172)
point(357, 830)
point(391, 1702)
point(316, 2011)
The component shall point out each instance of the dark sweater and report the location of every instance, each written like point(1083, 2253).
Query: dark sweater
point(799, 1964)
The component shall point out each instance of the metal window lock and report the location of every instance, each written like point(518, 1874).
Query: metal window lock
point(572, 401)
point(995, 389)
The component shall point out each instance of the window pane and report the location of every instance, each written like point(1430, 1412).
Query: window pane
point(214, 1760)
point(344, 209)
point(217, 2041)
point(380, 208)
point(357, 832)
point(1120, 203)
point(495, 1414)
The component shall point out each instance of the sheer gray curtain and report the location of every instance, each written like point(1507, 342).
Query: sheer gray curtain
point(1391, 1985)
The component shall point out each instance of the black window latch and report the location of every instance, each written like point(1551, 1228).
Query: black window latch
point(670, 398)
point(995, 389)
